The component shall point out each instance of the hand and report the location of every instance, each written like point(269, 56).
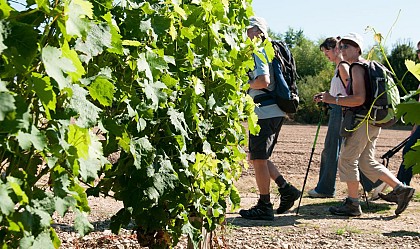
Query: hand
point(318, 97)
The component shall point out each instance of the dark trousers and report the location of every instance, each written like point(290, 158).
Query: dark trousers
point(405, 175)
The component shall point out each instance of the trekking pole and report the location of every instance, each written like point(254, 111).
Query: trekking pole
point(393, 151)
point(310, 158)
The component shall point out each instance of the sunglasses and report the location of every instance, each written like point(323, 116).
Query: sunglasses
point(418, 51)
point(344, 46)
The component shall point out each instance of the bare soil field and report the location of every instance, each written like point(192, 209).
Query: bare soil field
point(313, 227)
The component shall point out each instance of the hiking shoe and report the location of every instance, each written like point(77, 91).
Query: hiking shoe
point(390, 197)
point(312, 193)
point(348, 208)
point(288, 195)
point(261, 211)
point(404, 195)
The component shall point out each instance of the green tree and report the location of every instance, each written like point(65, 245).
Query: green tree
point(397, 57)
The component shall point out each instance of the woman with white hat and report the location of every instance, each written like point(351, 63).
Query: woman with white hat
point(358, 150)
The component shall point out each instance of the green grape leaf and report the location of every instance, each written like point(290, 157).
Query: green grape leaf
point(14, 184)
point(141, 149)
point(192, 232)
point(116, 43)
point(54, 238)
point(153, 92)
point(79, 193)
point(27, 241)
point(102, 90)
point(44, 90)
point(73, 56)
point(44, 218)
point(172, 31)
point(122, 217)
point(80, 139)
point(413, 68)
point(35, 138)
point(152, 194)
point(88, 112)
point(131, 43)
point(7, 206)
point(76, 11)
point(7, 104)
point(90, 166)
point(268, 47)
point(81, 223)
point(124, 141)
point(198, 86)
point(234, 198)
point(180, 11)
point(5, 9)
point(62, 205)
point(142, 65)
point(3, 86)
point(44, 5)
point(178, 121)
point(22, 47)
point(99, 36)
point(409, 111)
point(56, 64)
point(3, 32)
point(412, 158)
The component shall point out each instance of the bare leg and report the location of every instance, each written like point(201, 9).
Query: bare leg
point(274, 172)
point(390, 179)
point(262, 175)
point(353, 189)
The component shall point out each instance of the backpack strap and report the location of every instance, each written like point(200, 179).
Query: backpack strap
point(349, 89)
point(338, 72)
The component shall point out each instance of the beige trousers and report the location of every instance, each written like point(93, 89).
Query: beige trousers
point(358, 153)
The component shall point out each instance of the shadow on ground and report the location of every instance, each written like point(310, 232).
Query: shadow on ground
point(315, 211)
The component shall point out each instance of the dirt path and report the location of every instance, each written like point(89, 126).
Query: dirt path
point(314, 227)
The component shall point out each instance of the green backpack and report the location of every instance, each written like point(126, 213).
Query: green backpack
point(381, 104)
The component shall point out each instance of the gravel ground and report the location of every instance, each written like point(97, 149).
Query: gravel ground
point(314, 227)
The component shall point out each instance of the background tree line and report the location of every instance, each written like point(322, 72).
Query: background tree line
point(315, 70)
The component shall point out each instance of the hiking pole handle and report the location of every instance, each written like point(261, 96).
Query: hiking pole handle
point(394, 150)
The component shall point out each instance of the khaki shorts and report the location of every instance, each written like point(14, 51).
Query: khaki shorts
point(358, 153)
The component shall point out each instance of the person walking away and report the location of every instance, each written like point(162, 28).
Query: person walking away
point(405, 174)
point(358, 150)
point(329, 156)
point(261, 146)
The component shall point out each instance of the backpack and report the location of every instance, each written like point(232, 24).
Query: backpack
point(285, 93)
point(382, 96)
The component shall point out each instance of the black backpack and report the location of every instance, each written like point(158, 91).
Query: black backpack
point(382, 96)
point(285, 93)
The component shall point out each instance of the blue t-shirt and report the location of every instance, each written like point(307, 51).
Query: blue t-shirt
point(264, 68)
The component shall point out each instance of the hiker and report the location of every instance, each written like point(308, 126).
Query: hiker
point(261, 146)
point(358, 149)
point(329, 156)
point(405, 175)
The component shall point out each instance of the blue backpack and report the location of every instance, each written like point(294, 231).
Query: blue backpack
point(285, 93)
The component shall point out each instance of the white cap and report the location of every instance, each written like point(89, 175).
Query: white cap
point(355, 37)
point(260, 23)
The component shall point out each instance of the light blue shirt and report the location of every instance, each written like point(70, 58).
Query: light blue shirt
point(264, 68)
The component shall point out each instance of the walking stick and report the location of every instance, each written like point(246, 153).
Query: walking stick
point(310, 158)
point(392, 151)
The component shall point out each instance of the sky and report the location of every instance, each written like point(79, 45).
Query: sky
point(320, 19)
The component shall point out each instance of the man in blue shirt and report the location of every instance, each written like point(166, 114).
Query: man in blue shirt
point(261, 146)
